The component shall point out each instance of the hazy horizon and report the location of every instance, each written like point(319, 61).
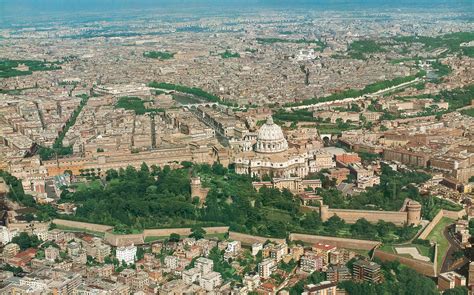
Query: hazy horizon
point(38, 8)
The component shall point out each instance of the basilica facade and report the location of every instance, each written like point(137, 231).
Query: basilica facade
point(270, 154)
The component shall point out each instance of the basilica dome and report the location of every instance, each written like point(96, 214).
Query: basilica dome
point(270, 138)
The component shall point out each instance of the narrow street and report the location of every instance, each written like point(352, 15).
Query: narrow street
point(448, 261)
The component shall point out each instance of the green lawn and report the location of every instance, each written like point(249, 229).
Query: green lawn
point(152, 239)
point(424, 250)
point(468, 112)
point(276, 214)
point(161, 55)
point(437, 236)
point(220, 236)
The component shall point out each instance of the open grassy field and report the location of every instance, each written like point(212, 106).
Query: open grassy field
point(437, 236)
point(423, 250)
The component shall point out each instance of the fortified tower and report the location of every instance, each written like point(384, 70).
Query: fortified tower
point(413, 212)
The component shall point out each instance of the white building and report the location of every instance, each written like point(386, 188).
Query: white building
point(126, 253)
point(251, 281)
point(306, 54)
point(256, 247)
point(233, 247)
point(51, 253)
point(41, 233)
point(5, 235)
point(204, 265)
point(171, 262)
point(191, 275)
point(266, 267)
point(210, 281)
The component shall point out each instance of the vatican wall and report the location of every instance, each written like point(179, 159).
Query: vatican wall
point(442, 213)
point(427, 230)
point(119, 240)
point(83, 225)
point(164, 232)
point(454, 214)
point(124, 240)
point(28, 226)
point(423, 267)
point(250, 239)
point(351, 216)
point(338, 242)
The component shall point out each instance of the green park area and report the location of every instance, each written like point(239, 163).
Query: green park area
point(9, 68)
point(452, 42)
point(229, 54)
point(371, 88)
point(188, 90)
point(468, 112)
point(361, 48)
point(154, 197)
point(323, 126)
point(437, 236)
point(423, 249)
point(135, 104)
point(161, 55)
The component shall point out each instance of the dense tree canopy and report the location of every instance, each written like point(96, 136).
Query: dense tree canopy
point(154, 197)
point(399, 279)
point(26, 241)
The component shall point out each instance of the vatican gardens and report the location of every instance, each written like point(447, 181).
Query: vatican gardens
point(160, 197)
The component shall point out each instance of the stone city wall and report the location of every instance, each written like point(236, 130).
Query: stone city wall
point(431, 225)
point(442, 213)
point(250, 239)
point(454, 214)
point(138, 239)
point(26, 226)
point(423, 267)
point(338, 242)
point(124, 240)
point(182, 231)
point(351, 216)
point(83, 225)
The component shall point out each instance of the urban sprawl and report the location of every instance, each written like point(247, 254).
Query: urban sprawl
point(270, 152)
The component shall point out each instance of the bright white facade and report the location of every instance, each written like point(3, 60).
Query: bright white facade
point(210, 281)
point(5, 236)
point(204, 265)
point(126, 253)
